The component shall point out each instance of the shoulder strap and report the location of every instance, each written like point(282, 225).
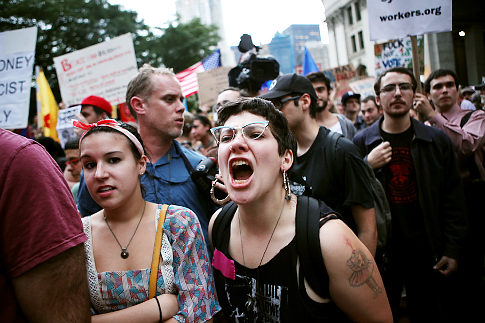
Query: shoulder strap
point(187, 164)
point(152, 288)
point(465, 118)
point(308, 242)
point(333, 137)
point(222, 220)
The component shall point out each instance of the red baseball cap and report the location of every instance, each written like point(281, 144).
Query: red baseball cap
point(98, 102)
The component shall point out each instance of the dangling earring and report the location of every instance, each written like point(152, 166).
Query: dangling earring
point(214, 198)
point(286, 183)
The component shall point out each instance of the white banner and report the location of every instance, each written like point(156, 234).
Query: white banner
point(393, 19)
point(103, 69)
point(17, 52)
point(65, 129)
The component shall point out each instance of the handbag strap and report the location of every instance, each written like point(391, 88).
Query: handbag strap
point(156, 253)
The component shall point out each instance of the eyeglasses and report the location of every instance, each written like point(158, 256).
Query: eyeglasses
point(253, 130)
point(72, 161)
point(278, 104)
point(391, 88)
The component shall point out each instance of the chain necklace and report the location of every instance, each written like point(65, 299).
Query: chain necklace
point(269, 241)
point(124, 250)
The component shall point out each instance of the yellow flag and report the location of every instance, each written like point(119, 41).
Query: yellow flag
point(48, 106)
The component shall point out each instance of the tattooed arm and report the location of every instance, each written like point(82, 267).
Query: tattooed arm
point(355, 283)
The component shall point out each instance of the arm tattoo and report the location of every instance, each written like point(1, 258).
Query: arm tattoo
point(362, 270)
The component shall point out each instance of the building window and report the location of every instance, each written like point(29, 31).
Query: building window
point(357, 11)
point(349, 14)
point(354, 44)
point(361, 39)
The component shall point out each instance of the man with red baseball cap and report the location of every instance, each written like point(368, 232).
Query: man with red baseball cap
point(95, 108)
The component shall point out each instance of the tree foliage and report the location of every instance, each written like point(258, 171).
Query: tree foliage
point(183, 45)
point(68, 25)
point(65, 26)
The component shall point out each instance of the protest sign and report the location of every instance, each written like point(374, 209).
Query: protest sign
point(397, 53)
point(211, 83)
point(103, 70)
point(65, 129)
point(340, 73)
point(17, 52)
point(364, 87)
point(393, 19)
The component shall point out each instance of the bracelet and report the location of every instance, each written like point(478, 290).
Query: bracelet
point(159, 308)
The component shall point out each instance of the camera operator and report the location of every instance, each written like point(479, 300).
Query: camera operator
point(252, 71)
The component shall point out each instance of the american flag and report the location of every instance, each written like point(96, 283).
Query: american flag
point(188, 77)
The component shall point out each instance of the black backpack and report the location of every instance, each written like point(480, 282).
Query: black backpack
point(381, 206)
point(309, 213)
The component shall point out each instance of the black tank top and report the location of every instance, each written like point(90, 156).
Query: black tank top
point(270, 293)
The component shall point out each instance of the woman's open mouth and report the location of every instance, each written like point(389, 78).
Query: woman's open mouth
point(241, 171)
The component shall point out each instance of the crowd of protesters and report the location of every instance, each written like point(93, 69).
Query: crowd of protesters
point(189, 217)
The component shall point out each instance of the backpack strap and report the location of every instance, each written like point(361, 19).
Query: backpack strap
point(465, 118)
point(223, 219)
point(308, 243)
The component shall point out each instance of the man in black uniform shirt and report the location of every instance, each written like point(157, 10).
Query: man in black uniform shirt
point(336, 174)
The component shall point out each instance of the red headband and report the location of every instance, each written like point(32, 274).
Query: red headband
point(112, 124)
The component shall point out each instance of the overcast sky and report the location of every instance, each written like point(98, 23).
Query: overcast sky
point(259, 18)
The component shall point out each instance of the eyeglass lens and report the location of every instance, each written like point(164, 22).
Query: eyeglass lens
point(249, 131)
point(392, 87)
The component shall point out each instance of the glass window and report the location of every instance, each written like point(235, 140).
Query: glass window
point(357, 11)
point(354, 44)
point(361, 39)
point(349, 13)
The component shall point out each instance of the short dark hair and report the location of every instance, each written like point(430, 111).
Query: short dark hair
point(72, 144)
point(315, 77)
point(203, 119)
point(130, 128)
point(401, 70)
point(370, 98)
point(99, 111)
point(437, 74)
point(277, 121)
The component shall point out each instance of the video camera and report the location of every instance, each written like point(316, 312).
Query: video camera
point(253, 71)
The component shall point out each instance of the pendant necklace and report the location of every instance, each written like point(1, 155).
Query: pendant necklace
point(124, 250)
point(251, 300)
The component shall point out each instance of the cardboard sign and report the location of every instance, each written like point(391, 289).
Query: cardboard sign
point(103, 70)
point(340, 73)
point(65, 129)
point(397, 53)
point(17, 52)
point(364, 87)
point(393, 19)
point(211, 83)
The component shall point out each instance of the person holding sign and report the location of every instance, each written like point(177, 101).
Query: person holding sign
point(425, 193)
point(121, 237)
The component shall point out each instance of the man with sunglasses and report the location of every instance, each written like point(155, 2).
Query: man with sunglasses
point(422, 183)
point(335, 172)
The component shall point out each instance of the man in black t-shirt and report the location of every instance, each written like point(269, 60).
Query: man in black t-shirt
point(418, 169)
point(336, 175)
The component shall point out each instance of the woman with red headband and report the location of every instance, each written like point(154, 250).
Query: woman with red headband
point(146, 262)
